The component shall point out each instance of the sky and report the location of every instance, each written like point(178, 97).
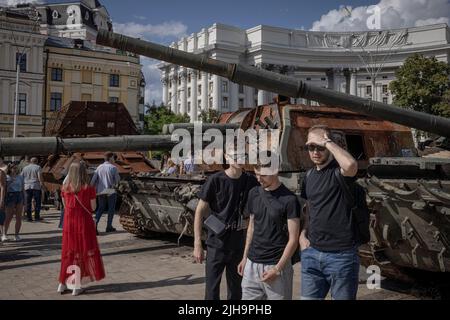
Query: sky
point(165, 21)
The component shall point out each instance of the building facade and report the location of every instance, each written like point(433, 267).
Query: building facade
point(357, 63)
point(77, 70)
point(20, 39)
point(74, 68)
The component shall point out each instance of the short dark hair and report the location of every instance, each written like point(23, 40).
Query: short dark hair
point(320, 127)
point(108, 155)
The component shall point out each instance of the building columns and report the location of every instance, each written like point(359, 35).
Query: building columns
point(216, 93)
point(194, 113)
point(353, 83)
point(174, 102)
point(205, 89)
point(234, 96)
point(183, 91)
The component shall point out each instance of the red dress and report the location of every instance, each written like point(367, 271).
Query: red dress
point(79, 244)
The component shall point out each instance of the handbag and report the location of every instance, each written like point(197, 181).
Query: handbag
point(78, 200)
point(214, 224)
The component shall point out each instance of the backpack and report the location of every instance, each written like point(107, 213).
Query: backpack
point(355, 195)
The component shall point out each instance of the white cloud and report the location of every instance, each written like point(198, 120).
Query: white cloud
point(16, 2)
point(394, 14)
point(148, 31)
point(163, 33)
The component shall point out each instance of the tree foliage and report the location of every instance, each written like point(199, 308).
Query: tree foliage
point(423, 84)
point(156, 117)
point(209, 116)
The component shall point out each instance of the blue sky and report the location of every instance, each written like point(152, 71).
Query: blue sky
point(165, 21)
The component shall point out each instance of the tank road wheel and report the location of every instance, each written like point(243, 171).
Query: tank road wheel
point(129, 221)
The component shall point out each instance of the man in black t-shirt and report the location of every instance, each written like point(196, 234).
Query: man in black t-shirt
point(272, 239)
point(329, 254)
point(221, 196)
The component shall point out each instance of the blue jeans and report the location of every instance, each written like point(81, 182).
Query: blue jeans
point(322, 272)
point(2, 217)
point(29, 195)
point(103, 201)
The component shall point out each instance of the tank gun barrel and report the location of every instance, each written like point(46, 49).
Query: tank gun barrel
point(278, 83)
point(170, 128)
point(54, 145)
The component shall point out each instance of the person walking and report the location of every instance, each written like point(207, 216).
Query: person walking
point(105, 179)
point(81, 260)
point(272, 239)
point(14, 201)
point(328, 241)
point(33, 179)
point(223, 196)
point(2, 198)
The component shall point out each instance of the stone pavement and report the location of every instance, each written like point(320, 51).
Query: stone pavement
point(136, 268)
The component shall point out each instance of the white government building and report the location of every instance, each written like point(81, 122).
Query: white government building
point(342, 61)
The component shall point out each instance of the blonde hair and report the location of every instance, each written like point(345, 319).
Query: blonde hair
point(77, 177)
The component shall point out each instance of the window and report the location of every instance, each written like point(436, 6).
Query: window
point(323, 79)
point(90, 124)
point(86, 76)
point(170, 95)
point(241, 88)
point(114, 80)
point(224, 86)
point(355, 146)
point(241, 103)
point(256, 91)
point(21, 60)
point(210, 87)
point(225, 102)
point(179, 81)
point(189, 78)
point(369, 90)
point(86, 97)
point(199, 75)
point(385, 77)
point(385, 88)
point(113, 99)
point(189, 107)
point(199, 89)
point(189, 92)
point(170, 84)
point(110, 125)
point(55, 101)
point(210, 103)
point(22, 103)
point(57, 74)
point(385, 100)
point(199, 104)
point(368, 78)
point(308, 79)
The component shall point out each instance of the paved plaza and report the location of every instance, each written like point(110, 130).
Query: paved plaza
point(136, 268)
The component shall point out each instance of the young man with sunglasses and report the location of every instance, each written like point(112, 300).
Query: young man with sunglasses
point(330, 261)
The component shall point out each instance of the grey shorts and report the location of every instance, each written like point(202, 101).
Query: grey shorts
point(278, 289)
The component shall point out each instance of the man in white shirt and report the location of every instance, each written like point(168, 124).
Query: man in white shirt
point(105, 179)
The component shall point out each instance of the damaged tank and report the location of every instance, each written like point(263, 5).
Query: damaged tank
point(408, 194)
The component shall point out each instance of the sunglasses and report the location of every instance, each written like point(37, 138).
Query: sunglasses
point(314, 147)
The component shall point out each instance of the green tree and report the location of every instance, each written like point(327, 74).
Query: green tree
point(209, 116)
point(423, 84)
point(156, 117)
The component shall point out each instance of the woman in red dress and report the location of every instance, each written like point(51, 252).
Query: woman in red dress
point(81, 261)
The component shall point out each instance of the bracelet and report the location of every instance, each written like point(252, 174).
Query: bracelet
point(278, 270)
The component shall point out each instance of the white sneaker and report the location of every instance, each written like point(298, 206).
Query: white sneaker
point(4, 238)
point(61, 288)
point(17, 238)
point(77, 292)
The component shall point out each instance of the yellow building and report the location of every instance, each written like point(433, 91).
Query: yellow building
point(78, 70)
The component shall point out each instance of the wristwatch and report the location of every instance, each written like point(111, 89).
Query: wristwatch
point(327, 141)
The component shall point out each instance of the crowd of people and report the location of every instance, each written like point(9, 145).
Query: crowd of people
point(258, 258)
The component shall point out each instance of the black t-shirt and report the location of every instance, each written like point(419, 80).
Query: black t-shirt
point(222, 193)
point(270, 234)
point(330, 225)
